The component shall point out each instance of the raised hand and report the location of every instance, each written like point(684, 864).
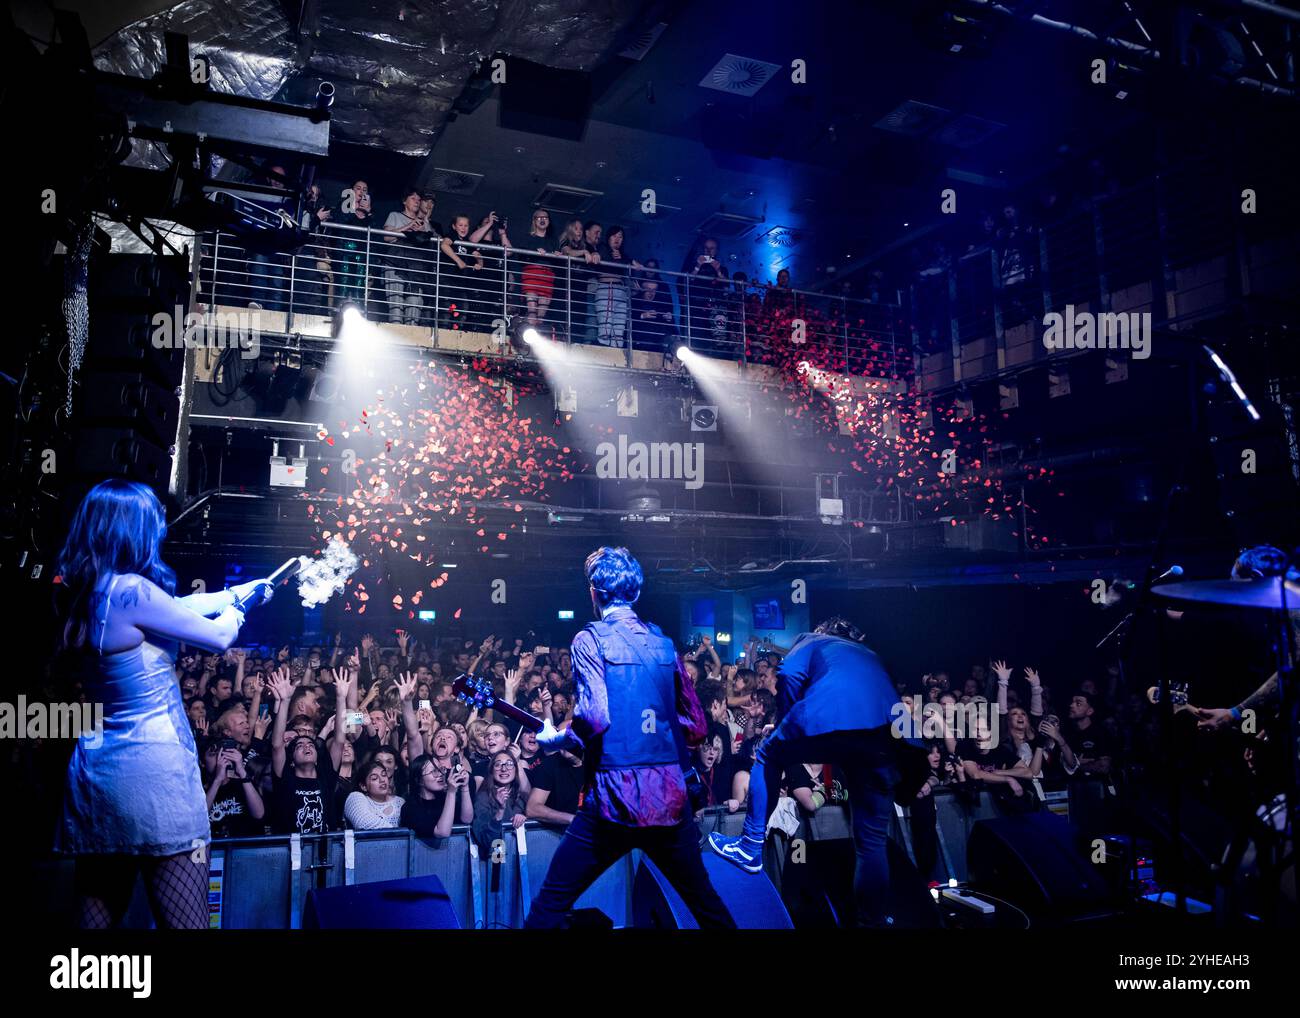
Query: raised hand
point(402, 637)
point(343, 683)
point(261, 726)
point(1031, 674)
point(406, 685)
point(281, 685)
point(512, 681)
point(1001, 670)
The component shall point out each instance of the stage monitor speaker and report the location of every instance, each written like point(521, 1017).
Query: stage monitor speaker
point(545, 100)
point(1031, 861)
point(750, 898)
point(417, 903)
point(819, 891)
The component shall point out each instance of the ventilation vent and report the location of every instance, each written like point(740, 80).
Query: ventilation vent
point(640, 46)
point(452, 181)
point(728, 226)
point(921, 120)
point(914, 119)
point(739, 75)
point(573, 201)
point(967, 131)
point(783, 237)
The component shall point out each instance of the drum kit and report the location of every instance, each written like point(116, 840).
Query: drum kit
point(1264, 855)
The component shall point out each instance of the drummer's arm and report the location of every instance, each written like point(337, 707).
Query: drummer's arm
point(1265, 695)
point(1218, 718)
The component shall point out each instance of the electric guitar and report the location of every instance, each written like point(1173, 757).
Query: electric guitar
point(479, 694)
point(1177, 696)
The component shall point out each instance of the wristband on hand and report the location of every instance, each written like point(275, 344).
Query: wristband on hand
point(1236, 713)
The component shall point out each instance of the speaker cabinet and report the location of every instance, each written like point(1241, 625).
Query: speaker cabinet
point(418, 903)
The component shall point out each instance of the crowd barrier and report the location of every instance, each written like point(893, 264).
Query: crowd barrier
point(263, 882)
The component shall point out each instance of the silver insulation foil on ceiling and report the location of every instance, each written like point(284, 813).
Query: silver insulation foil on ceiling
point(251, 47)
point(397, 66)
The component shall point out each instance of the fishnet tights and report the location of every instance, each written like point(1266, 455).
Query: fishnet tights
point(176, 885)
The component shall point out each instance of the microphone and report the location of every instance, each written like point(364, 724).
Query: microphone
point(1173, 572)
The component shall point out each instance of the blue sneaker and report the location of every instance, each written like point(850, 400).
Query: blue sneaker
point(746, 854)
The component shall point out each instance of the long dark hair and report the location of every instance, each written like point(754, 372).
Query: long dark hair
point(606, 248)
point(486, 827)
point(415, 783)
point(118, 528)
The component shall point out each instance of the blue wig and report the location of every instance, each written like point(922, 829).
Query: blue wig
point(615, 576)
point(118, 528)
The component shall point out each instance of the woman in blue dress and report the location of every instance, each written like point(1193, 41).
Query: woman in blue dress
point(134, 801)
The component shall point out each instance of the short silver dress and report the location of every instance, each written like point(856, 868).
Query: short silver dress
point(135, 788)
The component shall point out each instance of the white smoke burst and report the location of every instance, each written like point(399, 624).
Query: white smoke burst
point(322, 578)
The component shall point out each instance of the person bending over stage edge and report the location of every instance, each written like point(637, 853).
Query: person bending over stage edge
point(634, 709)
point(834, 703)
point(134, 799)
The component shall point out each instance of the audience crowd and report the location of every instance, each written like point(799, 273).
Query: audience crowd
point(368, 737)
point(571, 279)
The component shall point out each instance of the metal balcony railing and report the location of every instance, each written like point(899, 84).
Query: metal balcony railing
point(496, 290)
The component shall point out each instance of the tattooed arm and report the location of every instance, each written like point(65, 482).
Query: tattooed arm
point(138, 602)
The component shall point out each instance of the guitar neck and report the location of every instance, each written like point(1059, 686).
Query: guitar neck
point(479, 694)
point(530, 721)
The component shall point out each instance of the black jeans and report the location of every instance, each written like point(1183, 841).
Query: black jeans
point(592, 844)
point(868, 762)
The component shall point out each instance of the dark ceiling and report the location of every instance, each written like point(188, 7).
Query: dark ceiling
point(831, 171)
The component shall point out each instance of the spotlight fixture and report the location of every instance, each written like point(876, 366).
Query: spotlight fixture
point(683, 352)
point(349, 313)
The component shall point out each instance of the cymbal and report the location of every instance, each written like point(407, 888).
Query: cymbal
point(1242, 593)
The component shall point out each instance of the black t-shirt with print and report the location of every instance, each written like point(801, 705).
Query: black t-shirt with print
point(230, 815)
point(305, 805)
point(1091, 743)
